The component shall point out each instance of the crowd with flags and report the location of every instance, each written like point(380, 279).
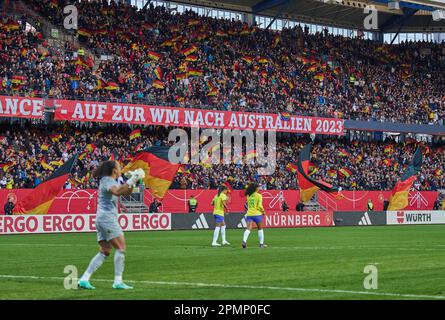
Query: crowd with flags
point(31, 153)
point(161, 57)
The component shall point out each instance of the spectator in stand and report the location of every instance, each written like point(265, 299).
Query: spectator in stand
point(9, 206)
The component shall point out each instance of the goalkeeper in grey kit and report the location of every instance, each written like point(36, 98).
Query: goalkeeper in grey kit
point(109, 232)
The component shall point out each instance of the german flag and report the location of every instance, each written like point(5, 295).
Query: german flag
point(309, 186)
point(45, 165)
point(251, 154)
point(159, 171)
point(387, 162)
point(56, 163)
point(154, 55)
point(158, 84)
point(276, 40)
point(135, 134)
point(284, 116)
point(319, 76)
point(343, 153)
point(193, 22)
point(180, 76)
point(389, 149)
point(44, 147)
point(167, 43)
point(112, 86)
point(189, 50)
point(291, 167)
point(194, 72)
point(5, 166)
point(399, 198)
point(91, 147)
point(53, 4)
point(245, 30)
point(247, 59)
point(191, 58)
point(332, 173)
point(40, 199)
point(55, 137)
point(312, 68)
point(100, 84)
point(84, 32)
point(263, 60)
point(345, 172)
point(220, 33)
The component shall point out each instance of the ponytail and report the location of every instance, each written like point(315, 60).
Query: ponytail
point(221, 189)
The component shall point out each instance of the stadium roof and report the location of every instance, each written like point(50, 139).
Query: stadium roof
point(413, 16)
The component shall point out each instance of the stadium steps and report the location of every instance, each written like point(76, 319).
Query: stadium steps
point(131, 207)
point(134, 203)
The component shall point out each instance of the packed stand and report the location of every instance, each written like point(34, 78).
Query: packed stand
point(30, 152)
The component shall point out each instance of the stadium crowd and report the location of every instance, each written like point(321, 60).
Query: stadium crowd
point(163, 57)
point(30, 153)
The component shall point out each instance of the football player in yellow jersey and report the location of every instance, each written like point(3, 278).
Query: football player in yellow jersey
point(255, 212)
point(219, 209)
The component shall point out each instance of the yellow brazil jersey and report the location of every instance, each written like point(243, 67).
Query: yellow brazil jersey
point(255, 204)
point(218, 203)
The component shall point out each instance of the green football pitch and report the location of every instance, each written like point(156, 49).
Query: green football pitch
point(309, 263)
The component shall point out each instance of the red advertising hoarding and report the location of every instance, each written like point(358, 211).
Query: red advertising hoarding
point(65, 223)
point(294, 219)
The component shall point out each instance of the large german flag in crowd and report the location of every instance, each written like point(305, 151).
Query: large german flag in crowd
point(309, 186)
point(159, 172)
point(39, 200)
point(399, 198)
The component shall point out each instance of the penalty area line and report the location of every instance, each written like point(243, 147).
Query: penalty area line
point(234, 286)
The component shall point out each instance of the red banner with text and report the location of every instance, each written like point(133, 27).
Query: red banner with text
point(20, 107)
point(75, 201)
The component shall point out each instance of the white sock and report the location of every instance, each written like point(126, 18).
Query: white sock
point(95, 264)
point(261, 236)
point(223, 233)
point(119, 265)
point(246, 235)
point(216, 234)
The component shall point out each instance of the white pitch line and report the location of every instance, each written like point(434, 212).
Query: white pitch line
point(234, 286)
point(271, 247)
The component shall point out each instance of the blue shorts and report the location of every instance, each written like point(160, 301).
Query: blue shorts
point(256, 219)
point(218, 218)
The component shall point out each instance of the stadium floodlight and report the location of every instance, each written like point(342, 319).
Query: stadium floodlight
point(438, 15)
point(394, 5)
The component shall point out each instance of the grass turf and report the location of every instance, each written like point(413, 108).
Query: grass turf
point(181, 264)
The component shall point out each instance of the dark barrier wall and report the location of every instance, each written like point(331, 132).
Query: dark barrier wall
point(204, 221)
point(364, 218)
point(278, 219)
